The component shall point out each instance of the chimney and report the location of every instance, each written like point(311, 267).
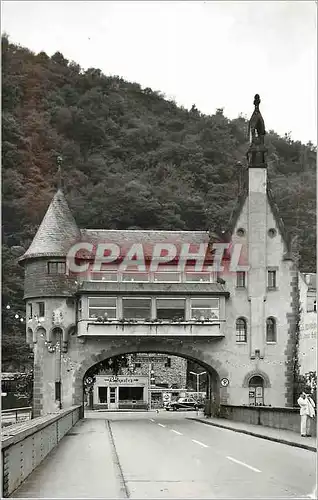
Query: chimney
point(257, 233)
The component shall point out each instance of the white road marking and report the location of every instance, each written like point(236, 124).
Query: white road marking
point(177, 432)
point(151, 420)
point(201, 444)
point(162, 425)
point(242, 463)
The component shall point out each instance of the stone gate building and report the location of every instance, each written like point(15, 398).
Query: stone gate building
point(240, 326)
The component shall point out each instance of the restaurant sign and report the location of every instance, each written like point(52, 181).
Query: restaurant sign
point(124, 380)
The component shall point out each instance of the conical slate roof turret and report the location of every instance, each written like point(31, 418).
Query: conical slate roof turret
point(57, 233)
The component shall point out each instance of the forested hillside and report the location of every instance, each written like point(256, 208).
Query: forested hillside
point(131, 159)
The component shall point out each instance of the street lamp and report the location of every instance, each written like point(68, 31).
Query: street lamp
point(198, 375)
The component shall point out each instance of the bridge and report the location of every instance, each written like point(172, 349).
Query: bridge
point(154, 455)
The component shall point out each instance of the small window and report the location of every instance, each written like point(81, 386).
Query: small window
point(205, 309)
point(58, 391)
point(137, 308)
point(315, 306)
point(105, 307)
point(56, 267)
point(241, 330)
point(240, 232)
point(271, 279)
point(272, 232)
point(41, 309)
point(170, 309)
point(270, 330)
point(30, 310)
point(137, 365)
point(168, 363)
point(240, 279)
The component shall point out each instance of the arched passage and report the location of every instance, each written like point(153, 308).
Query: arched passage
point(189, 351)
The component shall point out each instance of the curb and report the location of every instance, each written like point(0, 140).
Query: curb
point(255, 434)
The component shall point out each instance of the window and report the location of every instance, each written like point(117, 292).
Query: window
point(270, 330)
point(56, 267)
point(137, 277)
point(205, 309)
point(137, 365)
point(58, 391)
point(103, 276)
point(131, 393)
point(137, 308)
point(102, 395)
point(41, 309)
point(170, 309)
point(167, 277)
point(256, 391)
point(198, 277)
point(104, 307)
point(241, 330)
point(168, 363)
point(315, 306)
point(30, 311)
point(240, 279)
point(271, 279)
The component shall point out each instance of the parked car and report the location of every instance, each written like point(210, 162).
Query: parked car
point(184, 404)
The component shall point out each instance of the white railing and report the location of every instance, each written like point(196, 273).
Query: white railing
point(150, 277)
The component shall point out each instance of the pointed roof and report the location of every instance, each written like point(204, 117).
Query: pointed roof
point(57, 232)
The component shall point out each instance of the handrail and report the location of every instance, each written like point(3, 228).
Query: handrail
point(10, 410)
point(15, 411)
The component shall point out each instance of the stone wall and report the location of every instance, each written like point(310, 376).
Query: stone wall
point(25, 446)
point(279, 418)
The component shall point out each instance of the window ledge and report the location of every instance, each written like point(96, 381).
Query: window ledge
point(244, 342)
point(271, 342)
point(240, 287)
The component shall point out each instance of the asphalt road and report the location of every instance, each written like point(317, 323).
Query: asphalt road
point(165, 455)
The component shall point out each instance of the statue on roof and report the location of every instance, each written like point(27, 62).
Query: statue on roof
point(256, 124)
point(256, 132)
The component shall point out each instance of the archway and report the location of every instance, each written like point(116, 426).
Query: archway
point(213, 367)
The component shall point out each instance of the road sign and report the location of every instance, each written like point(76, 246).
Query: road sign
point(225, 382)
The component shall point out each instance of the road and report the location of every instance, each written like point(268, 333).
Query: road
point(166, 455)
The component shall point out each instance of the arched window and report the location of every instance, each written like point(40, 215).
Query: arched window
point(256, 391)
point(270, 330)
point(241, 330)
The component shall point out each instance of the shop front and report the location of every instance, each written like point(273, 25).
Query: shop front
point(120, 392)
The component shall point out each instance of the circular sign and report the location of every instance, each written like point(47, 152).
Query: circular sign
point(224, 382)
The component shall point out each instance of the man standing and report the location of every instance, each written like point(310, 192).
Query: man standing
point(307, 411)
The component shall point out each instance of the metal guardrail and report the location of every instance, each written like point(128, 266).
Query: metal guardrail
point(15, 411)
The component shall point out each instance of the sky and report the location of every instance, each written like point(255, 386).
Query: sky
point(208, 53)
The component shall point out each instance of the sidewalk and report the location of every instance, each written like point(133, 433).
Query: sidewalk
point(279, 435)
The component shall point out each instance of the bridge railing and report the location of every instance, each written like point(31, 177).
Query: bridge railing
point(14, 415)
point(26, 444)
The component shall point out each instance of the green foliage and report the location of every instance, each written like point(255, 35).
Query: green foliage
point(308, 383)
point(131, 158)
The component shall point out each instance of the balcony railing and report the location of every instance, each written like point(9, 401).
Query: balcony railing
point(151, 328)
point(151, 277)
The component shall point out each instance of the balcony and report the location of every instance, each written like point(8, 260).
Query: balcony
point(153, 328)
point(149, 288)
